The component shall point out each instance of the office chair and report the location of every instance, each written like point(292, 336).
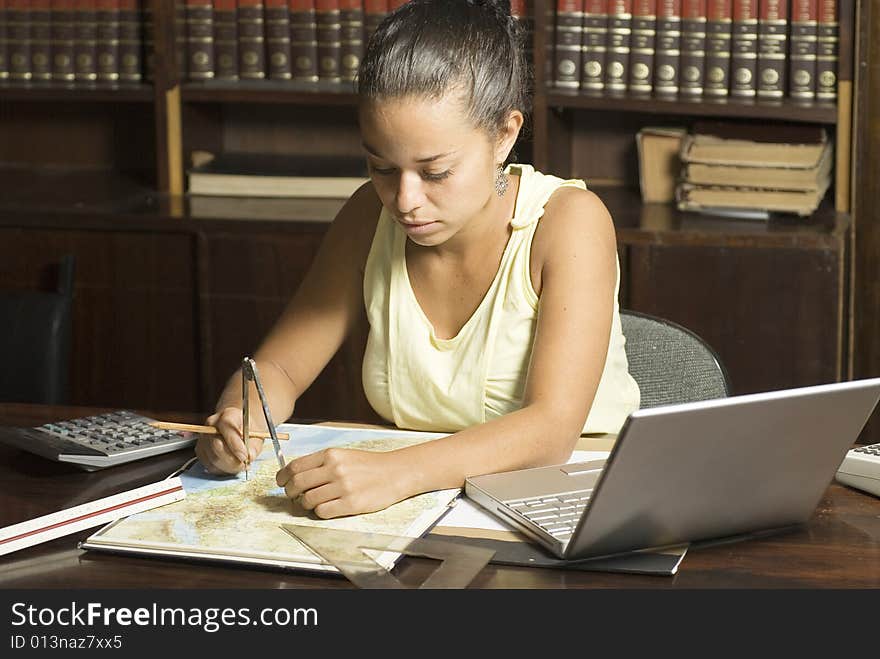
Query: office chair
point(670, 363)
point(35, 336)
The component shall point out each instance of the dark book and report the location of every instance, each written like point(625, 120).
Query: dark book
point(828, 27)
point(225, 40)
point(523, 12)
point(180, 54)
point(4, 36)
point(567, 45)
point(617, 52)
point(145, 7)
point(642, 45)
point(329, 32)
point(803, 41)
point(772, 48)
point(351, 44)
point(18, 29)
point(304, 40)
point(744, 49)
point(693, 48)
point(273, 175)
point(130, 42)
point(667, 47)
point(85, 41)
point(719, 20)
point(595, 45)
point(199, 39)
point(376, 10)
point(41, 40)
point(278, 40)
point(107, 46)
point(251, 40)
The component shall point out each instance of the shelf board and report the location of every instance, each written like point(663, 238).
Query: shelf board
point(58, 91)
point(785, 110)
point(637, 223)
point(269, 91)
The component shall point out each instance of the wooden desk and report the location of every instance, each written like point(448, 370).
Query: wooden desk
point(838, 548)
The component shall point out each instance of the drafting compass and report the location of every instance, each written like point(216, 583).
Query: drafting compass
point(249, 374)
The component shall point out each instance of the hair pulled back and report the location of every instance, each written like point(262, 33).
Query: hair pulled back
point(432, 47)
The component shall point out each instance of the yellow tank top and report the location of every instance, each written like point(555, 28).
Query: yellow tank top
point(419, 381)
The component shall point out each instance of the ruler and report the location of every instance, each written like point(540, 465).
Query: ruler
point(87, 515)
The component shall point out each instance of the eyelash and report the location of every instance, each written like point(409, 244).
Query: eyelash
point(426, 175)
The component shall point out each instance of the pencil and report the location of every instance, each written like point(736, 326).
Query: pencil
point(208, 430)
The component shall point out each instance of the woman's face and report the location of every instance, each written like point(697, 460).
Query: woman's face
point(433, 170)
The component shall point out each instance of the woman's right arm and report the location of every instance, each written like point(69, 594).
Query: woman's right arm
point(308, 333)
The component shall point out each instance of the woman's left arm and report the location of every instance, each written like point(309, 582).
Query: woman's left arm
point(574, 255)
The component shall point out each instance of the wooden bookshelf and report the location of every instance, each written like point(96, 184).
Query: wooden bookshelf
point(104, 160)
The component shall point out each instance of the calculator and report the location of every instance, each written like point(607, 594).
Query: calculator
point(861, 469)
point(95, 442)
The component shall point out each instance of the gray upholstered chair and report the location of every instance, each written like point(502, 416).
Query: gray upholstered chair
point(670, 363)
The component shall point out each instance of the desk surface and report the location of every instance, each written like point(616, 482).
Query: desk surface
point(838, 548)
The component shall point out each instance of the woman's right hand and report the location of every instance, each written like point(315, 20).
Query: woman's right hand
point(225, 453)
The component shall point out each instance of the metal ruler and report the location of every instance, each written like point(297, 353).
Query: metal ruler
point(87, 515)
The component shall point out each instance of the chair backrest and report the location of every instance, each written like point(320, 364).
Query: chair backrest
point(35, 337)
point(670, 363)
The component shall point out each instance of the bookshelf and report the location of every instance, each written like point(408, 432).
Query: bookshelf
point(101, 171)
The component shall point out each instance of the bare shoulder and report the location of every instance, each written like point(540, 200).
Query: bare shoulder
point(575, 224)
point(355, 223)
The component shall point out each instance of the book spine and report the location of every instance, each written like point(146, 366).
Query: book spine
point(107, 46)
point(523, 12)
point(828, 31)
point(617, 51)
point(329, 40)
point(304, 40)
point(225, 40)
point(149, 52)
point(374, 13)
point(595, 45)
point(18, 22)
point(62, 40)
point(744, 49)
point(199, 39)
point(802, 49)
point(278, 40)
point(719, 21)
point(85, 41)
point(4, 38)
point(567, 45)
point(130, 42)
point(351, 43)
point(180, 46)
point(668, 48)
point(772, 48)
point(41, 40)
point(693, 48)
point(642, 47)
point(251, 42)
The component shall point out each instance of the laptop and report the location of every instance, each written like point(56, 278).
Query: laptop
point(689, 472)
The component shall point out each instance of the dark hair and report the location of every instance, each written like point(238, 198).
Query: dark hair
point(431, 47)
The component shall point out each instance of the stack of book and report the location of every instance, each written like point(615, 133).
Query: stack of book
point(304, 41)
point(754, 170)
point(694, 49)
point(233, 174)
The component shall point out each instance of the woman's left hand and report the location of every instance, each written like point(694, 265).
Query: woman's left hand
point(338, 481)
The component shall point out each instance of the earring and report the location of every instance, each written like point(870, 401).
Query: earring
point(501, 181)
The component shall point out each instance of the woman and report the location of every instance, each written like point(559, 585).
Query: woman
point(491, 292)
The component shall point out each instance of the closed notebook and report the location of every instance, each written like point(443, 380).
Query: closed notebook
point(262, 175)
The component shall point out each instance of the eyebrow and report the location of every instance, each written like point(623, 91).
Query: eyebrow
point(420, 160)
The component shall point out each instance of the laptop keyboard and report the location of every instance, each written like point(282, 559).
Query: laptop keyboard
point(557, 515)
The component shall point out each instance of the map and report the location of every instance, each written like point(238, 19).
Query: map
point(233, 519)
